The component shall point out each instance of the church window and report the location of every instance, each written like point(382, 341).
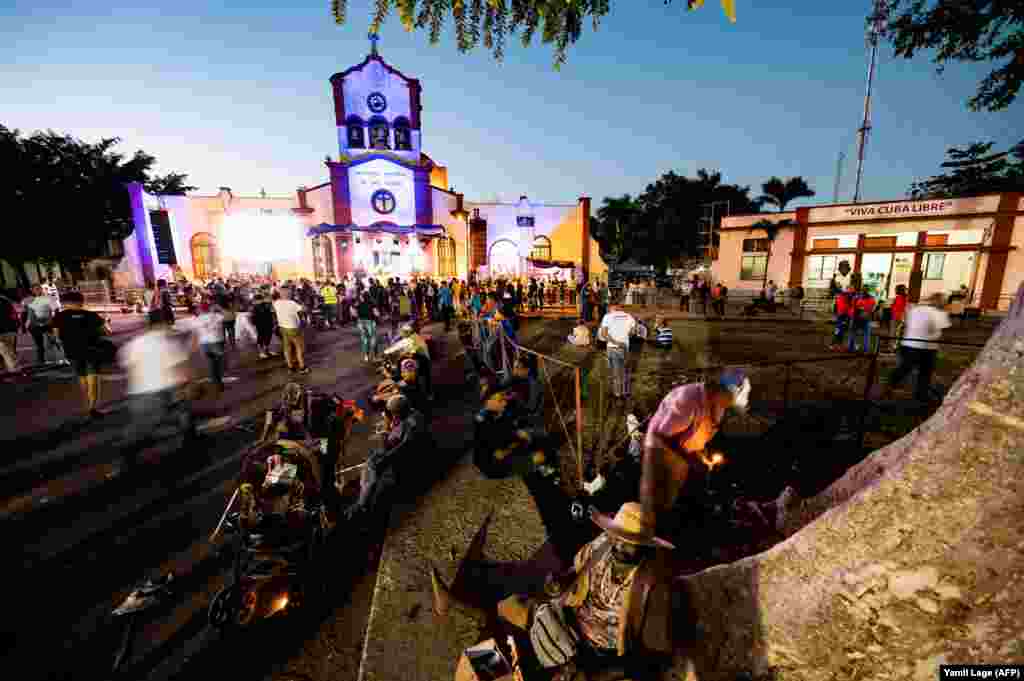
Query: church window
point(403, 137)
point(446, 257)
point(204, 255)
point(541, 248)
point(356, 134)
point(379, 134)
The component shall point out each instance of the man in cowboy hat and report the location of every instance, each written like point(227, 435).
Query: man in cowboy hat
point(686, 420)
point(610, 615)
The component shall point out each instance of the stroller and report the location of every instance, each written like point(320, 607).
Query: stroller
point(275, 538)
point(287, 488)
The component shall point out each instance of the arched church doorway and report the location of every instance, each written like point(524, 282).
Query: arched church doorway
point(503, 258)
point(323, 257)
point(204, 255)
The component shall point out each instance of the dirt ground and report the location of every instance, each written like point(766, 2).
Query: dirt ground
point(802, 430)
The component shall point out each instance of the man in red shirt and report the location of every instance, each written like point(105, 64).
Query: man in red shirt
point(844, 305)
point(861, 309)
point(899, 311)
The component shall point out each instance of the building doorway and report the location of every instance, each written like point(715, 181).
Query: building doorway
point(204, 255)
point(503, 258)
point(876, 270)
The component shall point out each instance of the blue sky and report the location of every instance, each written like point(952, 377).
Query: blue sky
point(236, 94)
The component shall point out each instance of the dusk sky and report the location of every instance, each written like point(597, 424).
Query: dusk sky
point(237, 94)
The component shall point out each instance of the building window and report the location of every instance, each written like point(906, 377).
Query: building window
point(379, 134)
point(446, 257)
point(755, 259)
point(356, 135)
point(403, 137)
point(204, 255)
point(821, 267)
point(541, 248)
point(755, 245)
point(934, 263)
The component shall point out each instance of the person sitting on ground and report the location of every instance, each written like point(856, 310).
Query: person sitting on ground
point(580, 336)
point(411, 387)
point(608, 616)
point(414, 344)
point(532, 404)
point(403, 438)
point(500, 447)
point(662, 333)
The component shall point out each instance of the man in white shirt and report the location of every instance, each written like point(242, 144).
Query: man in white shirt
point(50, 289)
point(290, 317)
point(39, 310)
point(924, 323)
point(209, 338)
point(616, 329)
point(155, 364)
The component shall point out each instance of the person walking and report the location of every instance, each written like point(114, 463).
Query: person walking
point(616, 329)
point(924, 324)
point(79, 331)
point(156, 366)
point(366, 319)
point(861, 312)
point(38, 322)
point(444, 300)
point(263, 320)
point(329, 292)
point(209, 337)
point(228, 306)
point(290, 319)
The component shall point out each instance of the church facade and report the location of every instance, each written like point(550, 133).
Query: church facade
point(385, 210)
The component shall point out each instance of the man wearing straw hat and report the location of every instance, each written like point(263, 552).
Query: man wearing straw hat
point(609, 615)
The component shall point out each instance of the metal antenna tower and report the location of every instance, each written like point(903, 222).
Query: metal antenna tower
point(839, 174)
point(877, 28)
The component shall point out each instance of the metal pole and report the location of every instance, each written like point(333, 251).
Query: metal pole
point(862, 133)
point(579, 427)
point(839, 174)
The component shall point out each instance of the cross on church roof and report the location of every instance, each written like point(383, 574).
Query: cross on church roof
point(373, 42)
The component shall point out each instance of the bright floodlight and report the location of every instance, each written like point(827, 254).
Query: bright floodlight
point(262, 238)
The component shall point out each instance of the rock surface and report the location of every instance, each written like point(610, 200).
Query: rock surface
point(912, 559)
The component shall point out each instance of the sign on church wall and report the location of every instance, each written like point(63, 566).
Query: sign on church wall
point(162, 239)
point(382, 191)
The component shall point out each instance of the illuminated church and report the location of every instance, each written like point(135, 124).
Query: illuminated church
point(386, 210)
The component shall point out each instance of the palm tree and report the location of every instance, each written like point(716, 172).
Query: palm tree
point(779, 193)
point(771, 230)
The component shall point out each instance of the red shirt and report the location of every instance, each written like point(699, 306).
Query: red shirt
point(843, 303)
point(865, 304)
point(899, 308)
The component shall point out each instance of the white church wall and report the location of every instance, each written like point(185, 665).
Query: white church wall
point(367, 178)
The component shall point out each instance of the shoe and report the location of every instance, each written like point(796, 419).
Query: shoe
point(303, 371)
point(96, 414)
point(264, 355)
point(366, 358)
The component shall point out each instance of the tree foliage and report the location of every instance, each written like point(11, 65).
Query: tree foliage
point(171, 184)
point(559, 22)
point(661, 224)
point(974, 170)
point(779, 193)
point(69, 196)
point(965, 31)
